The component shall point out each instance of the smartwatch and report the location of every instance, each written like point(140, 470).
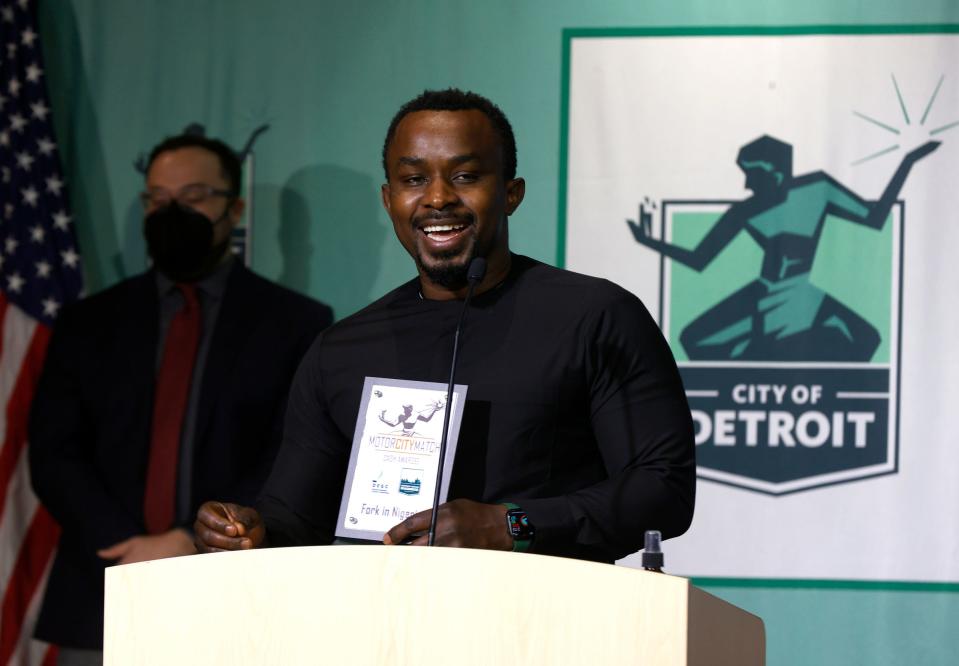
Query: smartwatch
point(519, 527)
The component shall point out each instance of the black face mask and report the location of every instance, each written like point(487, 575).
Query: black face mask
point(180, 241)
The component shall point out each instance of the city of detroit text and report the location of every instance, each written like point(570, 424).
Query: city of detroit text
point(811, 427)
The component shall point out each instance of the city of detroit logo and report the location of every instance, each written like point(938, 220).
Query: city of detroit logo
point(783, 311)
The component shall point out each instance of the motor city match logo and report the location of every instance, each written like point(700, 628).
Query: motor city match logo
point(792, 375)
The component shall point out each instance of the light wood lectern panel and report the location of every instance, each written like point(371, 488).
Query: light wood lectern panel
point(403, 605)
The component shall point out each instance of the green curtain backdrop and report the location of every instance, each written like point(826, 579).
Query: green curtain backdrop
point(327, 76)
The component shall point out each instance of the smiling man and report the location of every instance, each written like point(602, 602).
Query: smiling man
point(575, 421)
point(450, 189)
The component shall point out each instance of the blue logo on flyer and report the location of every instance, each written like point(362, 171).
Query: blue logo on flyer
point(410, 481)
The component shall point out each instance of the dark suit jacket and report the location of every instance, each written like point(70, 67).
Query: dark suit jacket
point(90, 423)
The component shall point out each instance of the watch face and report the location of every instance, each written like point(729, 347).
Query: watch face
point(518, 522)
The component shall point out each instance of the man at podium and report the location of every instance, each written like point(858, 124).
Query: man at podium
point(576, 436)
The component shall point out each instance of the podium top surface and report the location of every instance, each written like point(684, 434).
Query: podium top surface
point(395, 605)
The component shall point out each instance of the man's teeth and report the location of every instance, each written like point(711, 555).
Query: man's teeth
point(443, 227)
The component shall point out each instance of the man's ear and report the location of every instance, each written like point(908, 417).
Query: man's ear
point(515, 191)
point(235, 212)
point(385, 196)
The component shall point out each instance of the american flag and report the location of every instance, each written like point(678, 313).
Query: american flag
point(39, 272)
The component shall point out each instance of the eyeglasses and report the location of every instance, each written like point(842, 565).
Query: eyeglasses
point(189, 195)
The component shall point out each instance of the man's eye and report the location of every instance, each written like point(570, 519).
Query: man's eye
point(414, 180)
point(193, 193)
point(466, 177)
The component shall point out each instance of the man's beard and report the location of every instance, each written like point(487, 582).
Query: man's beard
point(448, 269)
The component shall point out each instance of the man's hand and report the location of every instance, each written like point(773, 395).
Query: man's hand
point(149, 547)
point(460, 524)
point(224, 526)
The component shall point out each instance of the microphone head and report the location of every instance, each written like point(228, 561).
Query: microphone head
point(476, 270)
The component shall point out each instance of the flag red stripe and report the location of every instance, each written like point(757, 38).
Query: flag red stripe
point(40, 539)
point(50, 656)
point(18, 409)
point(3, 316)
point(28, 572)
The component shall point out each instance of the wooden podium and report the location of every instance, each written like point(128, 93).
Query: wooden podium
point(382, 605)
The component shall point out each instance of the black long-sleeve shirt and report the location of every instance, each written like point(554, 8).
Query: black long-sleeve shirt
point(575, 411)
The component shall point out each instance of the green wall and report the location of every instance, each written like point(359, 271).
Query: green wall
point(327, 77)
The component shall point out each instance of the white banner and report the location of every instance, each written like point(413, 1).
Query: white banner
point(755, 192)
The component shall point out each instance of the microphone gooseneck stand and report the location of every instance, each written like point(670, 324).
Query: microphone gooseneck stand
point(474, 275)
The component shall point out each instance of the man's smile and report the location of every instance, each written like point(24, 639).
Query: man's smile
point(444, 231)
point(443, 227)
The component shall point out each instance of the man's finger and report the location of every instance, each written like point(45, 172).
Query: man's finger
point(209, 540)
point(418, 540)
point(115, 551)
point(245, 518)
point(418, 522)
point(216, 516)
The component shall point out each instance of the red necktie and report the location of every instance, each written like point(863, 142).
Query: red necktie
point(169, 407)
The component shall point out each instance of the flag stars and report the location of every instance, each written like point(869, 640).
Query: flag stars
point(50, 307)
point(61, 220)
point(24, 160)
point(34, 72)
point(28, 37)
point(30, 196)
point(70, 258)
point(54, 185)
point(34, 256)
point(46, 146)
point(15, 282)
point(40, 110)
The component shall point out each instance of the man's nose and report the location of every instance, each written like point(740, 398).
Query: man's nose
point(440, 194)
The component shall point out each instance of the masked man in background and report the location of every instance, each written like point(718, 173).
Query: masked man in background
point(161, 391)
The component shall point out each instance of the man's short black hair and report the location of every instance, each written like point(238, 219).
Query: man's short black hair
point(454, 99)
point(229, 162)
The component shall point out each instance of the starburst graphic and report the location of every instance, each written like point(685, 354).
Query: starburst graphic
point(898, 131)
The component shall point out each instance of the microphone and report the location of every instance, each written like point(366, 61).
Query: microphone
point(474, 275)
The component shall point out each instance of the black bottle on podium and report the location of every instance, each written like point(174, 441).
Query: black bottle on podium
point(653, 552)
